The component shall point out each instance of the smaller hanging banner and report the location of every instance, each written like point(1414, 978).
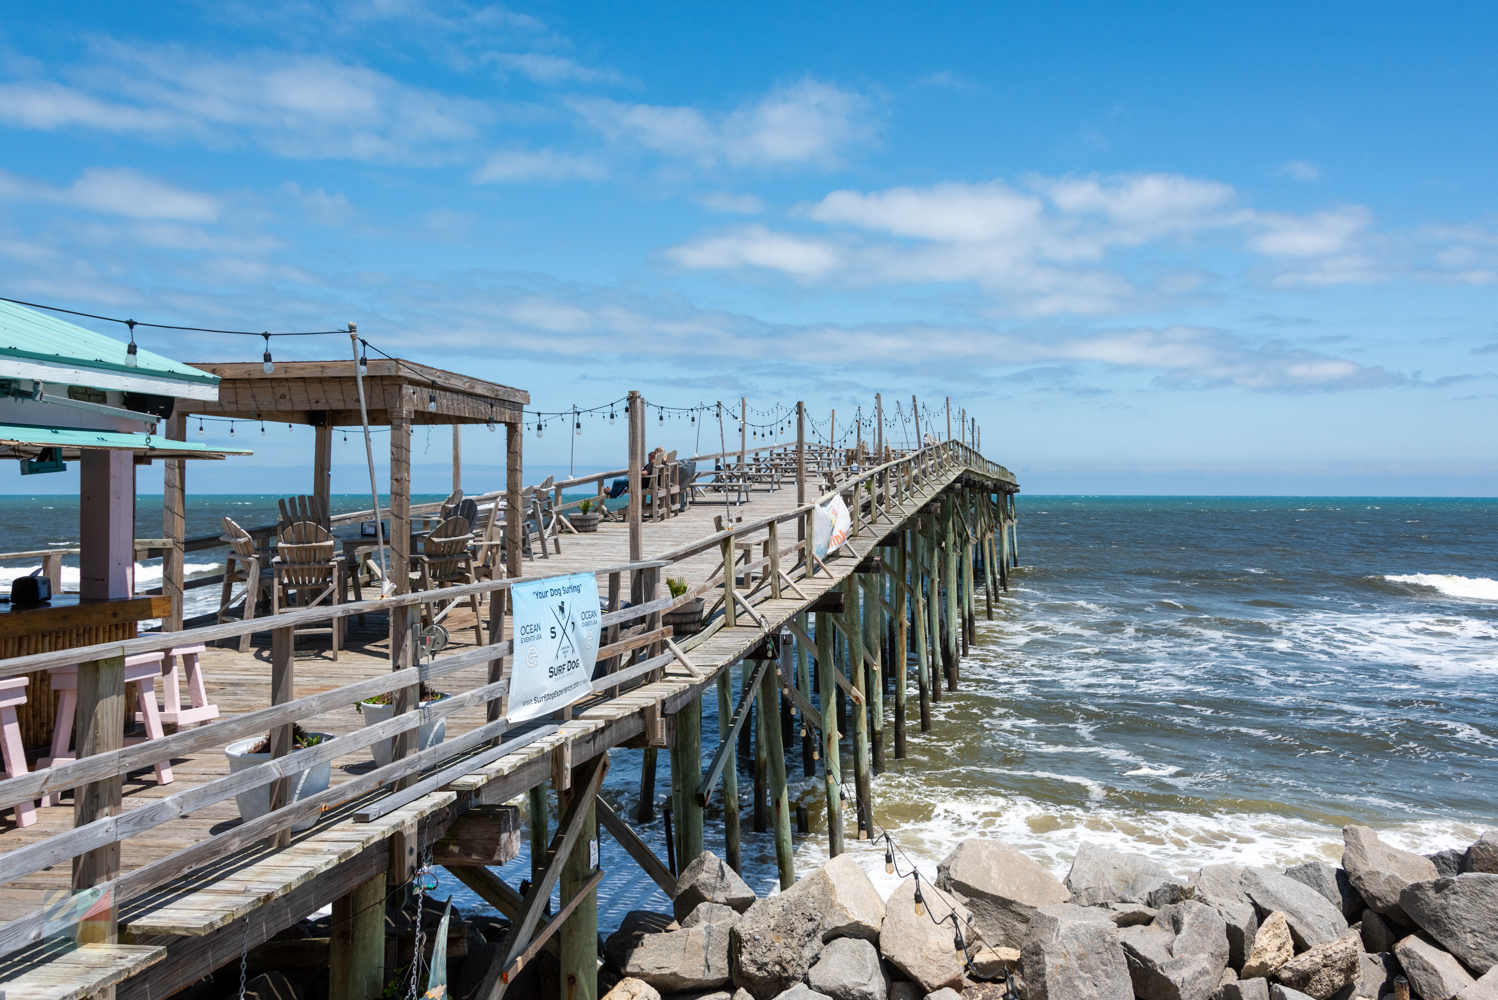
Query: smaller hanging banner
point(829, 527)
point(556, 643)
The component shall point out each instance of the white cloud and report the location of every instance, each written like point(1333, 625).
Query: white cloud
point(511, 165)
point(1299, 170)
point(806, 124)
point(741, 204)
point(543, 68)
point(757, 246)
point(117, 191)
point(1316, 235)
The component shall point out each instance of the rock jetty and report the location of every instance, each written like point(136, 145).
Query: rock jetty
point(996, 925)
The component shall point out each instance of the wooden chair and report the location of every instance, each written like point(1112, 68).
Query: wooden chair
point(303, 508)
point(450, 505)
point(247, 565)
point(13, 694)
point(199, 709)
point(489, 545)
point(307, 570)
point(446, 560)
point(141, 672)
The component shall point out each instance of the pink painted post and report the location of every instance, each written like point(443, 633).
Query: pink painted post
point(106, 525)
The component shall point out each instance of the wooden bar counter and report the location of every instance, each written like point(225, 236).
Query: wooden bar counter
point(64, 623)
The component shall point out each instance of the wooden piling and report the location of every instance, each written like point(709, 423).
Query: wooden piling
point(933, 607)
point(780, 803)
point(98, 727)
point(765, 719)
point(803, 684)
point(899, 661)
point(873, 622)
point(732, 853)
point(862, 783)
point(646, 812)
point(578, 936)
point(686, 775)
point(356, 945)
point(536, 799)
point(831, 740)
point(949, 577)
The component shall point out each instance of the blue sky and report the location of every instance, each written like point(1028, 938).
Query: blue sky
point(1152, 248)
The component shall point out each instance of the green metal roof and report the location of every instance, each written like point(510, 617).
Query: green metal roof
point(26, 334)
point(73, 437)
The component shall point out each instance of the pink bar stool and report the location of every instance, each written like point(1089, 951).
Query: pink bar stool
point(13, 693)
point(141, 670)
point(174, 712)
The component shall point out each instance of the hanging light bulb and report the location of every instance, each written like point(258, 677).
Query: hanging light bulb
point(200, 426)
point(431, 402)
point(889, 861)
point(663, 416)
point(269, 365)
point(920, 904)
point(579, 428)
point(491, 420)
point(539, 428)
point(694, 418)
point(959, 944)
point(363, 359)
point(231, 429)
point(611, 414)
point(130, 351)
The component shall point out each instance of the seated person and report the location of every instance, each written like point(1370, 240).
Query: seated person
point(621, 486)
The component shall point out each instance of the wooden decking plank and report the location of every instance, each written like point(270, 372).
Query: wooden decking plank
point(81, 971)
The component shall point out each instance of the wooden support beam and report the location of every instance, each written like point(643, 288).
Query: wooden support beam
point(578, 936)
point(686, 778)
point(899, 663)
point(732, 852)
point(832, 602)
point(803, 688)
point(729, 737)
point(173, 528)
point(356, 949)
point(803, 704)
point(636, 848)
point(862, 781)
point(873, 644)
point(523, 942)
point(282, 690)
point(831, 750)
point(949, 576)
point(484, 835)
point(780, 807)
point(98, 727)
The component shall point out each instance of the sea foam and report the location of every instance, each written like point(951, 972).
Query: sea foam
point(1477, 588)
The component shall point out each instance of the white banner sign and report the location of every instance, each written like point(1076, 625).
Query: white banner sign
point(556, 643)
point(829, 527)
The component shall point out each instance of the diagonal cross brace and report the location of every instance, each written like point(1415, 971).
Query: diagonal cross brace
point(526, 922)
point(726, 747)
point(637, 848)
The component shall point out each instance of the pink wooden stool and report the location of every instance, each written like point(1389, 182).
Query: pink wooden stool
point(141, 670)
point(13, 693)
point(174, 712)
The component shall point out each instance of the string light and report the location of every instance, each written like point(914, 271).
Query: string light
point(269, 365)
point(889, 859)
point(920, 903)
point(130, 357)
point(200, 426)
point(364, 359)
point(431, 402)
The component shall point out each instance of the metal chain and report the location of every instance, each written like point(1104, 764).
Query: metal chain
point(423, 874)
point(244, 957)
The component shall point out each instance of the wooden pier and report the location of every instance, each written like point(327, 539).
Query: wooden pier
point(138, 889)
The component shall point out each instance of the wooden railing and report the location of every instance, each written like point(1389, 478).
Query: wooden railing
point(633, 654)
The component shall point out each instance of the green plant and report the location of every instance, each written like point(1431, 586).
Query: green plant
point(586, 507)
point(427, 694)
point(678, 585)
point(300, 740)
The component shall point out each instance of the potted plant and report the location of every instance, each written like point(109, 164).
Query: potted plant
point(686, 618)
point(382, 706)
point(586, 518)
point(249, 752)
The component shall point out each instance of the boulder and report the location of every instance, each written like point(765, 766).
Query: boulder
point(1482, 857)
point(905, 990)
point(1451, 861)
point(923, 950)
point(1380, 872)
point(1072, 953)
point(632, 989)
point(1324, 969)
point(987, 963)
point(1432, 973)
point(1312, 917)
point(1219, 886)
point(693, 957)
point(1280, 992)
point(1000, 886)
point(1485, 988)
point(708, 880)
point(945, 993)
point(1272, 948)
point(1181, 956)
point(1461, 913)
point(635, 925)
point(1378, 933)
point(1129, 914)
point(1332, 883)
point(849, 969)
point(1099, 875)
point(1375, 973)
point(777, 938)
point(1228, 976)
point(1245, 989)
point(800, 992)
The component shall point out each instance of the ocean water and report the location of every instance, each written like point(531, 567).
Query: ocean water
point(1196, 679)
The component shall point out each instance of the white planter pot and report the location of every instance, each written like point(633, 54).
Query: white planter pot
point(304, 784)
point(429, 735)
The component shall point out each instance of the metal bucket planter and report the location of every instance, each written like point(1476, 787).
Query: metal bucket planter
point(429, 735)
point(304, 784)
point(584, 523)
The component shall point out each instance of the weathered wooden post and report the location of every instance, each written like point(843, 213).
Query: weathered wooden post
point(803, 684)
point(732, 853)
point(578, 935)
point(282, 690)
point(765, 718)
point(686, 775)
point(780, 802)
point(831, 745)
point(933, 600)
point(174, 530)
point(536, 799)
point(873, 639)
point(862, 783)
point(899, 662)
point(648, 765)
point(98, 727)
point(949, 576)
point(356, 946)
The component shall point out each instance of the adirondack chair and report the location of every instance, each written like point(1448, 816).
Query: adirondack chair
point(489, 544)
point(303, 508)
point(450, 505)
point(245, 565)
point(539, 523)
point(306, 571)
point(445, 560)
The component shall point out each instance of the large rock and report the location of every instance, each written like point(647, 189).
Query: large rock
point(695, 957)
point(777, 938)
point(1001, 886)
point(1380, 872)
point(1180, 956)
point(708, 880)
point(1099, 875)
point(1485, 988)
point(1273, 947)
point(1375, 974)
point(632, 989)
point(1220, 887)
point(1332, 883)
point(1245, 989)
point(1324, 969)
point(1482, 857)
point(1312, 917)
point(849, 969)
point(1433, 973)
point(1378, 933)
point(800, 992)
point(924, 950)
point(1278, 991)
point(1072, 953)
point(1452, 861)
point(1461, 913)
